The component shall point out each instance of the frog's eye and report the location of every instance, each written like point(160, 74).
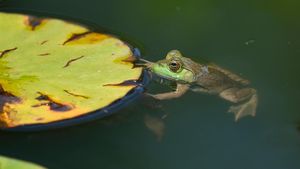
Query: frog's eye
point(174, 65)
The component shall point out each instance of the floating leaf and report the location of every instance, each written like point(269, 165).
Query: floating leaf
point(9, 163)
point(53, 70)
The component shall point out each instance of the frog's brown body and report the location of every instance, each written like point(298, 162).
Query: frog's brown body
point(207, 78)
point(216, 81)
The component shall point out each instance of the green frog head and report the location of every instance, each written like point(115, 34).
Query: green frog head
point(175, 67)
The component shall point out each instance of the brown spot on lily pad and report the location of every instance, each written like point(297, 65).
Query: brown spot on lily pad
point(76, 95)
point(39, 119)
point(45, 41)
point(53, 104)
point(44, 54)
point(85, 38)
point(7, 51)
point(125, 83)
point(72, 60)
point(5, 93)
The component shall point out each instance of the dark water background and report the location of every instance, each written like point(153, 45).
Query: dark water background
point(259, 39)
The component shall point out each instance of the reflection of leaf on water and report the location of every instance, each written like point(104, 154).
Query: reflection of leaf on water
point(10, 163)
point(155, 125)
point(154, 119)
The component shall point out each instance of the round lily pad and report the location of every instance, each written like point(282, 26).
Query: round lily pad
point(56, 73)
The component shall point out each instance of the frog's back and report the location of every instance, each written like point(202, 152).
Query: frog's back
point(230, 75)
point(218, 79)
point(216, 71)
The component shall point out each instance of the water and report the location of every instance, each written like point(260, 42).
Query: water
point(257, 39)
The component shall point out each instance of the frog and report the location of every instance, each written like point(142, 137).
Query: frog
point(204, 77)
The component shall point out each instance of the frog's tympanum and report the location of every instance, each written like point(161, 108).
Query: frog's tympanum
point(206, 78)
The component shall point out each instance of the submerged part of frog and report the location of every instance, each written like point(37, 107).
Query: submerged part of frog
point(155, 125)
point(205, 78)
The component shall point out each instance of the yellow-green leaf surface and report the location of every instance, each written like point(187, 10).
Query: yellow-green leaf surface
point(9, 163)
point(53, 70)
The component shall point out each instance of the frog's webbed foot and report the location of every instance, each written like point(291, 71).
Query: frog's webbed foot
point(237, 95)
point(180, 90)
point(245, 109)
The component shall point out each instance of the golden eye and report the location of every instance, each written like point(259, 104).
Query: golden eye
point(174, 65)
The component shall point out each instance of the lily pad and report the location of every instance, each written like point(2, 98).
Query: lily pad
point(10, 163)
point(53, 72)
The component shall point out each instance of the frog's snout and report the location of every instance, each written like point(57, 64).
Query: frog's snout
point(147, 64)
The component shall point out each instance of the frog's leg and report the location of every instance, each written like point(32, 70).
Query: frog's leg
point(237, 95)
point(180, 90)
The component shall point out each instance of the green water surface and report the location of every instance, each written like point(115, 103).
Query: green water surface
point(259, 39)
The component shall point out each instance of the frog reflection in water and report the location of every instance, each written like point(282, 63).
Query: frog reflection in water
point(204, 78)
